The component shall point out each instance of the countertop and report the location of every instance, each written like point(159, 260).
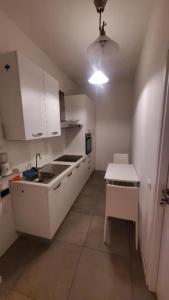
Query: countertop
point(56, 179)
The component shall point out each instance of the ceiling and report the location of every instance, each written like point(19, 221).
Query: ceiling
point(65, 28)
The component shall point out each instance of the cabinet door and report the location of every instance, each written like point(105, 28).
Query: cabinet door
point(87, 169)
point(71, 189)
point(52, 105)
point(57, 209)
point(90, 115)
point(30, 201)
point(33, 100)
point(75, 108)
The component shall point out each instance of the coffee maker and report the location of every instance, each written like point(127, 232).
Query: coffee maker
point(5, 169)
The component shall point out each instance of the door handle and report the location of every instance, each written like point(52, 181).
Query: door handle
point(69, 174)
point(54, 132)
point(37, 134)
point(56, 187)
point(165, 197)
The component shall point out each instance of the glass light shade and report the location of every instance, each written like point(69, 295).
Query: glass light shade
point(102, 49)
point(98, 78)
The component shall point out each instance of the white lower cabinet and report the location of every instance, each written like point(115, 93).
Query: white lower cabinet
point(40, 210)
point(57, 207)
point(30, 203)
point(70, 187)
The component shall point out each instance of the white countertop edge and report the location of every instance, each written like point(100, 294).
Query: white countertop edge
point(56, 179)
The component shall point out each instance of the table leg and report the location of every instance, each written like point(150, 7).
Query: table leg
point(105, 228)
point(136, 234)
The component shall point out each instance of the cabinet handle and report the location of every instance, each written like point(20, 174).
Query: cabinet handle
point(54, 132)
point(69, 174)
point(89, 168)
point(37, 134)
point(77, 166)
point(56, 187)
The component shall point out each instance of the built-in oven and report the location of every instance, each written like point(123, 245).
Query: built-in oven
point(88, 140)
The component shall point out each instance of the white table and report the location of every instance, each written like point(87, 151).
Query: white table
point(122, 194)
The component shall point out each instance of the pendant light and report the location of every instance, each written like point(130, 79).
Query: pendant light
point(103, 48)
point(98, 78)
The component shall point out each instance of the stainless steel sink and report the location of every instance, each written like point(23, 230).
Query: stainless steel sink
point(49, 172)
point(44, 177)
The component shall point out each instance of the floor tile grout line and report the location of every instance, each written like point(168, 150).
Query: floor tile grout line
point(78, 262)
point(107, 253)
point(18, 292)
point(74, 275)
point(92, 248)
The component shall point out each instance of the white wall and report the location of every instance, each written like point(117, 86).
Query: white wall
point(147, 116)
point(114, 106)
point(21, 154)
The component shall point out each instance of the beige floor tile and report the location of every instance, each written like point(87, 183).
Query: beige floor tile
point(93, 190)
point(11, 295)
point(117, 236)
point(85, 204)
point(13, 262)
point(101, 276)
point(75, 228)
point(50, 276)
point(97, 177)
point(100, 205)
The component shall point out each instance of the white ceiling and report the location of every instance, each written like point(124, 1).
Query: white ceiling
point(65, 28)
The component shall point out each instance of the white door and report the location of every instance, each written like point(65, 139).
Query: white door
point(33, 98)
point(163, 274)
point(52, 105)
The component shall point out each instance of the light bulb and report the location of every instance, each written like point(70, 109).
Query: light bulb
point(98, 78)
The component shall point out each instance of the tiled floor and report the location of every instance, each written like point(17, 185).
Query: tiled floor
point(77, 265)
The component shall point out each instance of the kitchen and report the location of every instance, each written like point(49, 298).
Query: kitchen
point(99, 122)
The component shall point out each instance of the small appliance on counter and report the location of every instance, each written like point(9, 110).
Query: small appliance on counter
point(5, 169)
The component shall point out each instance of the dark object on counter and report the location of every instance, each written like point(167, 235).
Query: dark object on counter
point(69, 158)
point(4, 192)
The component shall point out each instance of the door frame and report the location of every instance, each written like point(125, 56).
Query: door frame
point(158, 211)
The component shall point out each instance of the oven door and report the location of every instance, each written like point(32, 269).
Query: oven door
point(88, 138)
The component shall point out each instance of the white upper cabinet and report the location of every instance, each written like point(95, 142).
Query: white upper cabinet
point(52, 105)
point(27, 99)
point(33, 98)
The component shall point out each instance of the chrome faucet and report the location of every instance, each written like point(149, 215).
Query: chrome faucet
point(37, 155)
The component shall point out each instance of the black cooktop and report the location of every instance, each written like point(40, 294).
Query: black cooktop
point(69, 158)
